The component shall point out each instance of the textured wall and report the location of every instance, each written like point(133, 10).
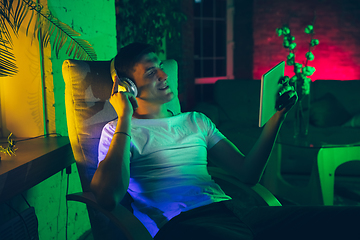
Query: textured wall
point(48, 200)
point(21, 95)
point(95, 21)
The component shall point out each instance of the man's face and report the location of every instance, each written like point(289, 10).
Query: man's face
point(151, 80)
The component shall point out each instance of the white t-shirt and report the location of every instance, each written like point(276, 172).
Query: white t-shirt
point(168, 166)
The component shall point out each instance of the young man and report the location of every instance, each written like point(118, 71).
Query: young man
point(161, 160)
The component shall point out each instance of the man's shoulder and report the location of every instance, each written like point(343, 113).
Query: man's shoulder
point(193, 114)
point(199, 116)
point(110, 126)
point(196, 118)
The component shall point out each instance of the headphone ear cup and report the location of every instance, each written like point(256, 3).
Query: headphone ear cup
point(124, 84)
point(129, 85)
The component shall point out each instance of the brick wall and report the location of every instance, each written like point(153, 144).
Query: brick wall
point(336, 27)
point(182, 50)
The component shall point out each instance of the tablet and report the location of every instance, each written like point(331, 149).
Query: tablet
point(269, 89)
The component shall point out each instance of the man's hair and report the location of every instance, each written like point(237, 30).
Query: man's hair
point(129, 55)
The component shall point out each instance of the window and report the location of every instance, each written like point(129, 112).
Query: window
point(210, 45)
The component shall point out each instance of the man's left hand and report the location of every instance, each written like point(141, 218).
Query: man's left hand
point(287, 97)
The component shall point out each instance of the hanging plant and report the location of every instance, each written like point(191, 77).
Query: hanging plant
point(12, 17)
point(148, 21)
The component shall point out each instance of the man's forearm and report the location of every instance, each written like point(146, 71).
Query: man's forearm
point(111, 179)
point(255, 160)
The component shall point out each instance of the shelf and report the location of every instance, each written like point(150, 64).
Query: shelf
point(35, 160)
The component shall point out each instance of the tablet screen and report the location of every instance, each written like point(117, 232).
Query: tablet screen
point(269, 89)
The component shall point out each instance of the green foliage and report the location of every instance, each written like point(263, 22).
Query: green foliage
point(314, 42)
point(46, 25)
point(302, 71)
point(309, 29)
point(148, 21)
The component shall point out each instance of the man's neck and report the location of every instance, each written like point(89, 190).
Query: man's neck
point(148, 110)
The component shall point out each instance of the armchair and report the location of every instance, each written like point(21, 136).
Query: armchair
point(88, 87)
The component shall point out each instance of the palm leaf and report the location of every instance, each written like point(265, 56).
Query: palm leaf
point(5, 37)
point(7, 58)
point(47, 29)
point(49, 24)
point(7, 66)
point(4, 31)
point(19, 15)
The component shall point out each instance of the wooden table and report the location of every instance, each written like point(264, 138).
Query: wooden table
point(35, 160)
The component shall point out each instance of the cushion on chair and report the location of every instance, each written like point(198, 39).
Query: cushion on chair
point(88, 87)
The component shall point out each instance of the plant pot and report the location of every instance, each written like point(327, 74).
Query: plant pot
point(302, 109)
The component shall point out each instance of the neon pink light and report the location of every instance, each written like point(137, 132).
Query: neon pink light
point(331, 63)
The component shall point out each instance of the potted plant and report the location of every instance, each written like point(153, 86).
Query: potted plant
point(301, 79)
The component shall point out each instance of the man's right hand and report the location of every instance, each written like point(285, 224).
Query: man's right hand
point(124, 103)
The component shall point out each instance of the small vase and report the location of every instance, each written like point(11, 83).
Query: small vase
point(302, 108)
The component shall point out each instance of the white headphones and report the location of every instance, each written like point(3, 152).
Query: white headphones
point(125, 84)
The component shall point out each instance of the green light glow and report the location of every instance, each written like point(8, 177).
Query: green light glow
point(95, 20)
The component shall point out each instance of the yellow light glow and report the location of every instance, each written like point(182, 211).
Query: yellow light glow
point(122, 89)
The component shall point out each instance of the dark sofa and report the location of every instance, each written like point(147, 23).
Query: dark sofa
point(334, 118)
